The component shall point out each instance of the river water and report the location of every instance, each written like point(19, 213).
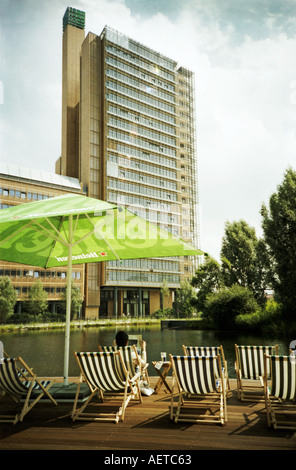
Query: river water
point(44, 350)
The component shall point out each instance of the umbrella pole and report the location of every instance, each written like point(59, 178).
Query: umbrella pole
point(68, 304)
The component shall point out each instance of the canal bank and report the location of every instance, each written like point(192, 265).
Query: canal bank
point(79, 324)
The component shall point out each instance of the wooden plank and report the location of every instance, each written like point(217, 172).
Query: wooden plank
point(146, 427)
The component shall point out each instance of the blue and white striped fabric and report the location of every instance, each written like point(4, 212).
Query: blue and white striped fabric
point(196, 374)
point(102, 370)
point(251, 360)
point(283, 377)
point(129, 355)
point(11, 381)
point(201, 350)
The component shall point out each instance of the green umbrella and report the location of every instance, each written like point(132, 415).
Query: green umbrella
point(75, 229)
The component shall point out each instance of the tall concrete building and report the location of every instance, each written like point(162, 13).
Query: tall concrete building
point(128, 135)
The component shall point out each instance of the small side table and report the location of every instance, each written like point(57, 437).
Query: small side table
point(162, 368)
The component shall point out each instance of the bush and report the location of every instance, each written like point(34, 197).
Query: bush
point(224, 306)
point(25, 318)
point(21, 318)
point(163, 313)
point(266, 320)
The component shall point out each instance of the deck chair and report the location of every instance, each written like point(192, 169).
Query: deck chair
point(108, 378)
point(136, 340)
point(201, 386)
point(208, 351)
point(131, 359)
point(21, 370)
point(249, 367)
point(19, 381)
point(280, 395)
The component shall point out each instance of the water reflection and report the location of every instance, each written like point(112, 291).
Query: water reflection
point(44, 350)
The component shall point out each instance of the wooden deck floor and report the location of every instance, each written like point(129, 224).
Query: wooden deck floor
point(146, 427)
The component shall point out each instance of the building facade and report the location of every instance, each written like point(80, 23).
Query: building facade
point(19, 185)
point(128, 135)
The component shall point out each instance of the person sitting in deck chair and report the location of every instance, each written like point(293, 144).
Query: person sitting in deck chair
point(121, 339)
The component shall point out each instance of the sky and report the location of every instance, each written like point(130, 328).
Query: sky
point(243, 53)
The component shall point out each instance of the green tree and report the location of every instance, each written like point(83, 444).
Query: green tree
point(224, 306)
point(36, 302)
point(183, 306)
point(239, 248)
point(8, 298)
point(76, 299)
point(164, 294)
point(279, 227)
point(245, 259)
point(208, 279)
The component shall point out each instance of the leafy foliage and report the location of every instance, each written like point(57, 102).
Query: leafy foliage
point(76, 300)
point(245, 259)
point(222, 307)
point(8, 298)
point(36, 302)
point(183, 306)
point(279, 226)
point(208, 279)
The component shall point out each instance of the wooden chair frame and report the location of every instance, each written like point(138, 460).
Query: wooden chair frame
point(249, 368)
point(107, 378)
point(131, 359)
point(19, 381)
point(198, 390)
point(280, 395)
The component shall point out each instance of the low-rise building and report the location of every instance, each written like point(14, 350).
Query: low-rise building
point(19, 185)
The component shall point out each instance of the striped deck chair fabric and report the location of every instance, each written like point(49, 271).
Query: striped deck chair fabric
point(201, 350)
point(196, 378)
point(283, 377)
point(18, 387)
point(102, 371)
point(129, 356)
point(282, 388)
point(250, 366)
point(208, 351)
point(106, 375)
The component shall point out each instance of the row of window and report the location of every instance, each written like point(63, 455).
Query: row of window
point(22, 194)
point(94, 175)
point(132, 139)
point(135, 294)
point(136, 201)
point(154, 57)
point(143, 132)
point(30, 273)
point(140, 107)
point(138, 95)
point(146, 156)
point(95, 151)
point(143, 190)
point(157, 217)
point(23, 290)
point(142, 178)
point(137, 72)
point(142, 120)
point(141, 166)
point(139, 85)
point(160, 265)
point(143, 277)
point(141, 63)
point(127, 294)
